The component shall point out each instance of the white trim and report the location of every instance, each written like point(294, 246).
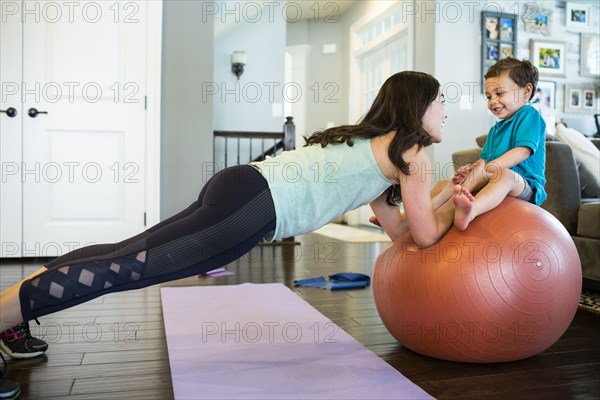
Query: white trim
point(379, 8)
point(382, 41)
point(357, 51)
point(153, 93)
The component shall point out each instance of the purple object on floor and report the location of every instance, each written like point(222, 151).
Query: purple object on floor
point(262, 341)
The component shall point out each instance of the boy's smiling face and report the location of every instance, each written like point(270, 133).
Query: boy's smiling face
point(504, 96)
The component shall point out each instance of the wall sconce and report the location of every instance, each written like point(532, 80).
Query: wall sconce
point(238, 60)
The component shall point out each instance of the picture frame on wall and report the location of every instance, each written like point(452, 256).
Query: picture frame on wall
point(545, 96)
point(549, 57)
point(574, 98)
point(578, 16)
point(499, 34)
point(588, 100)
point(589, 55)
point(506, 50)
point(537, 20)
point(581, 99)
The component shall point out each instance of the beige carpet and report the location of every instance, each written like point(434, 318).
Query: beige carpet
point(351, 234)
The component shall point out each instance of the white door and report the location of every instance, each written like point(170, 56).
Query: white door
point(11, 43)
point(83, 165)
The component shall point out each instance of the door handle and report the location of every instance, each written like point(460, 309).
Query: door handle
point(11, 112)
point(33, 112)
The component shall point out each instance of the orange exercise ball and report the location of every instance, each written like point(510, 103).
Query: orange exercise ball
point(504, 289)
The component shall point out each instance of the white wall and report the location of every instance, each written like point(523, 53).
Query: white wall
point(186, 120)
point(324, 90)
point(247, 104)
point(255, 102)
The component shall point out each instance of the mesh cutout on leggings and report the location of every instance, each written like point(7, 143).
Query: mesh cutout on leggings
point(199, 246)
point(90, 278)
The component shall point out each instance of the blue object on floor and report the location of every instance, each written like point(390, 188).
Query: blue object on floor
point(343, 280)
point(350, 277)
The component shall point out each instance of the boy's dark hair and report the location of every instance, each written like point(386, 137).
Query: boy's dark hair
point(522, 72)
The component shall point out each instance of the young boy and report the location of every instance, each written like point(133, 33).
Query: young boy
point(514, 154)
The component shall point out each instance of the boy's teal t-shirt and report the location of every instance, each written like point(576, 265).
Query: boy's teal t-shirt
point(525, 128)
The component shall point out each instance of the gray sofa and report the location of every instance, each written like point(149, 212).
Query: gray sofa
point(573, 198)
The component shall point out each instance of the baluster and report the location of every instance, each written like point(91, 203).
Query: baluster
point(250, 152)
point(226, 151)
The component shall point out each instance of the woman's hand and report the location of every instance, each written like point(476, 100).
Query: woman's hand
point(375, 221)
point(461, 174)
point(388, 217)
point(477, 177)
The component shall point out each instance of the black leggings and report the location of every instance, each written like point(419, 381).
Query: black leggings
point(233, 213)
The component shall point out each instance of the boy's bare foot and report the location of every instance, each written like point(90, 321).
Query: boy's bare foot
point(463, 203)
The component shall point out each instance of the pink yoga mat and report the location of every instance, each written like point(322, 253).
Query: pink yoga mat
point(264, 342)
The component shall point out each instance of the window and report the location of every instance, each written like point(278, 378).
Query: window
point(382, 48)
point(381, 25)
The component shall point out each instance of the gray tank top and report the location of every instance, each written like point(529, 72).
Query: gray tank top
point(311, 186)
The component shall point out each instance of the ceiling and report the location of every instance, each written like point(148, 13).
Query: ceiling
point(294, 10)
point(326, 8)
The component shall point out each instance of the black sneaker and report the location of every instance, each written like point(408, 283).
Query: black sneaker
point(8, 390)
point(17, 342)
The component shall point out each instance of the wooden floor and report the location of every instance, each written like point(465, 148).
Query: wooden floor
point(114, 346)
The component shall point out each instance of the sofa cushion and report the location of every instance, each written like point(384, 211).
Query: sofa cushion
point(480, 140)
point(590, 187)
point(465, 157)
point(562, 185)
point(589, 254)
point(582, 147)
point(588, 220)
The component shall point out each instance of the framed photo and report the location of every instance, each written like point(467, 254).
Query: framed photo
point(578, 16)
point(537, 20)
point(492, 53)
point(492, 28)
point(581, 99)
point(545, 96)
point(574, 98)
point(499, 33)
point(589, 99)
point(549, 57)
point(590, 55)
point(507, 29)
point(506, 50)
